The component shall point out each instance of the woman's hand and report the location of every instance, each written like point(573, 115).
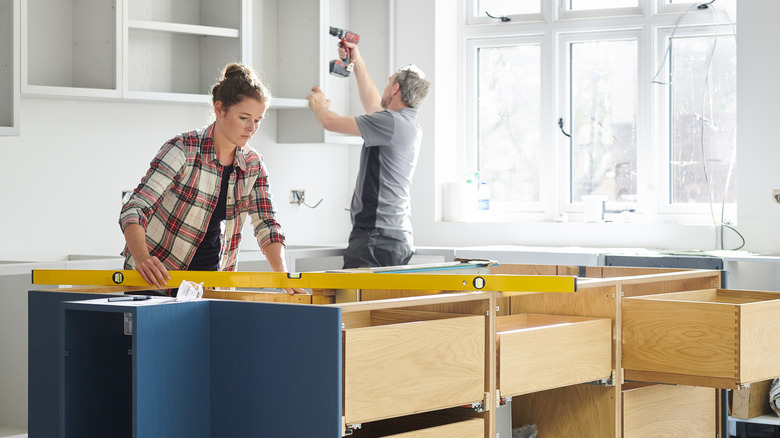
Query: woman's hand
point(153, 271)
point(296, 291)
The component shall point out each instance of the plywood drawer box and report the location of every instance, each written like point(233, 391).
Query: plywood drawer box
point(400, 362)
point(717, 337)
point(668, 411)
point(538, 352)
point(424, 426)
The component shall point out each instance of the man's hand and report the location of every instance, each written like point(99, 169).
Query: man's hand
point(327, 118)
point(353, 51)
point(317, 99)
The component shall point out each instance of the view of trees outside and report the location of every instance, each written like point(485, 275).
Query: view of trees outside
point(603, 143)
point(509, 131)
point(703, 92)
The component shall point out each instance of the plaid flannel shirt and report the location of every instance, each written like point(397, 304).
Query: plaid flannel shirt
point(177, 196)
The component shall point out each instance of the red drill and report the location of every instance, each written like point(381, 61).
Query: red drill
point(342, 67)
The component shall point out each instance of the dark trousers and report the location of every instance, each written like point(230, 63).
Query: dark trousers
point(373, 247)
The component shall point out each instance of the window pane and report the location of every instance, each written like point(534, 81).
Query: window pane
point(720, 6)
point(604, 109)
point(704, 114)
point(498, 8)
point(509, 88)
point(585, 5)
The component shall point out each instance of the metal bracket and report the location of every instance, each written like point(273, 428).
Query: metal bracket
point(478, 406)
point(608, 381)
point(351, 428)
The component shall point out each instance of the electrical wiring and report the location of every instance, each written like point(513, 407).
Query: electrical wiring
point(702, 119)
point(312, 206)
point(669, 47)
point(722, 221)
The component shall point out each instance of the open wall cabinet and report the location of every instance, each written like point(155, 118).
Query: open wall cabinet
point(174, 50)
point(294, 47)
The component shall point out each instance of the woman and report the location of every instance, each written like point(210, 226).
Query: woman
point(188, 211)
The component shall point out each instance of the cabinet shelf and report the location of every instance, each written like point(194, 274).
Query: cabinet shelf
point(191, 29)
point(287, 103)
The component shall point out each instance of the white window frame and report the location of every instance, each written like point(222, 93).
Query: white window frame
point(565, 14)
point(565, 203)
point(652, 128)
point(530, 211)
point(472, 18)
point(685, 213)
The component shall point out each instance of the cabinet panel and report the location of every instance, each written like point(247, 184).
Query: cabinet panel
point(9, 67)
point(668, 411)
point(165, 62)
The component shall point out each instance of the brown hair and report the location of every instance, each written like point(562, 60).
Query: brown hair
point(239, 81)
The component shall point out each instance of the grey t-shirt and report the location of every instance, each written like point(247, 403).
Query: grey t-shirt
point(391, 145)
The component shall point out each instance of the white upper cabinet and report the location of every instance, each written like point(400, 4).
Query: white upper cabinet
point(295, 34)
point(69, 48)
point(174, 50)
point(170, 50)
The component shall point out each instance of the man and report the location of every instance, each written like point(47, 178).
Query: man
point(381, 226)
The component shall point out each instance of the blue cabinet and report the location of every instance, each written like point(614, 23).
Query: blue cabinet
point(198, 369)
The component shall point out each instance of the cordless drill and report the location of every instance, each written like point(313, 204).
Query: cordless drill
point(342, 67)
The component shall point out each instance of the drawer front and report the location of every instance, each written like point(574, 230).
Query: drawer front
point(554, 356)
point(680, 338)
point(401, 369)
point(669, 411)
point(474, 428)
point(717, 338)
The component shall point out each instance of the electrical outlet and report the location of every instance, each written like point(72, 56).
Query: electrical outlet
point(297, 196)
point(126, 196)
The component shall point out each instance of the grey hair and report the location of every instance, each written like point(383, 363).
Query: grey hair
point(414, 86)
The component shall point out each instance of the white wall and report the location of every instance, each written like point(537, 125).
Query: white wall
point(62, 177)
point(758, 154)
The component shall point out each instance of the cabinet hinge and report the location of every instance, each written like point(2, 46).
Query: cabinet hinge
point(128, 324)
